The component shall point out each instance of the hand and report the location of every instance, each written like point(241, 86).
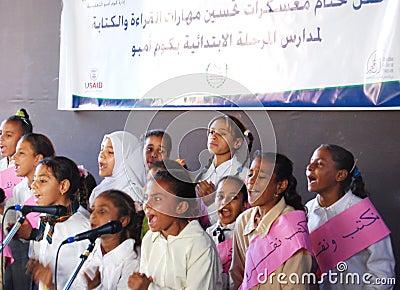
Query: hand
point(139, 281)
point(95, 282)
point(204, 189)
point(40, 273)
point(24, 231)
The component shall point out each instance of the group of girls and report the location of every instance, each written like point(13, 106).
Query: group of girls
point(260, 228)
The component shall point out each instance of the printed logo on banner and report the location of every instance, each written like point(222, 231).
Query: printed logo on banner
point(380, 66)
point(94, 83)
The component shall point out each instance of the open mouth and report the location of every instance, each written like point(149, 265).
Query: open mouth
point(224, 212)
point(152, 219)
point(311, 179)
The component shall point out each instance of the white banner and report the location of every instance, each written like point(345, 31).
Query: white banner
point(114, 52)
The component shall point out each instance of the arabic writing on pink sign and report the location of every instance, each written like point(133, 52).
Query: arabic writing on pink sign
point(347, 233)
point(287, 235)
point(225, 252)
point(8, 180)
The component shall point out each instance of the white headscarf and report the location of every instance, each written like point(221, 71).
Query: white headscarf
point(129, 169)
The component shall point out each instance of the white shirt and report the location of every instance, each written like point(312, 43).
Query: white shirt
point(228, 233)
point(22, 192)
point(114, 267)
point(229, 167)
point(187, 261)
point(377, 259)
point(69, 256)
point(4, 163)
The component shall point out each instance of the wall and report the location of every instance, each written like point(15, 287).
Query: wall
point(29, 46)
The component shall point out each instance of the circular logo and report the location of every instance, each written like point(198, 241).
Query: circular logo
point(189, 130)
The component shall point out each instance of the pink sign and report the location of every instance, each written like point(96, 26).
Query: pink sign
point(287, 235)
point(225, 252)
point(346, 234)
point(8, 180)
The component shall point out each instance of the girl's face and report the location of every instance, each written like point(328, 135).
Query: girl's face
point(229, 201)
point(154, 150)
point(10, 133)
point(221, 139)
point(46, 188)
point(322, 174)
point(104, 211)
point(160, 207)
point(106, 158)
point(261, 184)
point(25, 159)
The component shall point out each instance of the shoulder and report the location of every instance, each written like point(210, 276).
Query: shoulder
point(193, 231)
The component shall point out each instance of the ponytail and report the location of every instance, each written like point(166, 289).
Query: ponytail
point(22, 117)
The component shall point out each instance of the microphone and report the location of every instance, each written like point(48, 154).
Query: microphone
point(111, 227)
point(58, 210)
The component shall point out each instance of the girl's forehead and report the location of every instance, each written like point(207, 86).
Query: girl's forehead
point(10, 125)
point(322, 153)
point(107, 142)
point(43, 169)
point(154, 139)
point(221, 124)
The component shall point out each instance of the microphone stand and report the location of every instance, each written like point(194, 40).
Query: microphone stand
point(83, 257)
point(12, 232)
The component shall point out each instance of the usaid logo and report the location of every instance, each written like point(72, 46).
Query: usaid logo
point(94, 83)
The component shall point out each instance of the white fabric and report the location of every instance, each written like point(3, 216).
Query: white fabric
point(69, 255)
point(115, 267)
point(228, 234)
point(377, 259)
point(129, 169)
point(4, 163)
point(22, 192)
point(187, 261)
point(229, 167)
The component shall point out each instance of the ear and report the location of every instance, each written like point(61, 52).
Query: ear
point(281, 187)
point(64, 186)
point(38, 157)
point(125, 220)
point(238, 143)
point(341, 175)
point(182, 207)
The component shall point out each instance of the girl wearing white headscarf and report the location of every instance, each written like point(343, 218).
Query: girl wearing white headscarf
point(121, 164)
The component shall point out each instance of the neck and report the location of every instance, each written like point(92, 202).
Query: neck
point(175, 229)
point(64, 201)
point(221, 158)
point(264, 209)
point(326, 199)
point(110, 242)
point(30, 177)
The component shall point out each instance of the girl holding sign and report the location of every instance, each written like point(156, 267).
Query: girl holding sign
point(271, 239)
point(348, 236)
